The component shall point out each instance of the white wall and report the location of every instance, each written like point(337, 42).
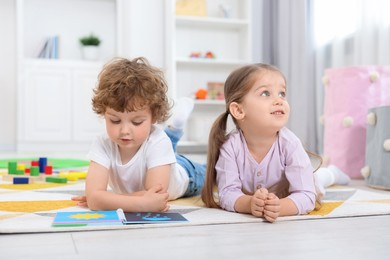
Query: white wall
point(7, 75)
point(142, 30)
point(142, 35)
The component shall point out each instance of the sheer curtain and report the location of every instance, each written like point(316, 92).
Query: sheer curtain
point(288, 44)
point(304, 37)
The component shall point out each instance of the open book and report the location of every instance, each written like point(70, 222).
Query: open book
point(113, 217)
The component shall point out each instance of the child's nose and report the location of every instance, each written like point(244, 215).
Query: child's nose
point(278, 101)
point(125, 129)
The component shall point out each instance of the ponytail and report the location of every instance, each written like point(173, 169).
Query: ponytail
point(217, 138)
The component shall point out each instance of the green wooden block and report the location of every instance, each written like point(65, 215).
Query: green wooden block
point(19, 172)
point(12, 167)
point(34, 171)
point(57, 179)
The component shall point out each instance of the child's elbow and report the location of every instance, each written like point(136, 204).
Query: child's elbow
point(93, 203)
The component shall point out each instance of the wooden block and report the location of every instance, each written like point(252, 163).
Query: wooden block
point(20, 180)
point(56, 179)
point(32, 179)
point(79, 175)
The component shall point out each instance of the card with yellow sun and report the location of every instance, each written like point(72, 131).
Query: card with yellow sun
point(84, 218)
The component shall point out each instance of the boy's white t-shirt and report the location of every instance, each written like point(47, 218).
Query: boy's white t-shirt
point(130, 177)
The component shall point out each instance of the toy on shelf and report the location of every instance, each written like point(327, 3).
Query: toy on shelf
point(191, 7)
point(196, 55)
point(201, 94)
point(207, 55)
point(215, 90)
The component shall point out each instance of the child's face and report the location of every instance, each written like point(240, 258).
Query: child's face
point(266, 106)
point(128, 129)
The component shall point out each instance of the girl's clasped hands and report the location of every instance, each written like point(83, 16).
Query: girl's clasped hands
point(265, 204)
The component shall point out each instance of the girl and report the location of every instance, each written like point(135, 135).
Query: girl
point(260, 168)
point(136, 158)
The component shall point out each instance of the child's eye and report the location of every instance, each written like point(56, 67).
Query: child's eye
point(282, 94)
point(265, 93)
point(115, 121)
point(137, 123)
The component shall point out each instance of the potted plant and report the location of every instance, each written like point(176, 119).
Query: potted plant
point(90, 46)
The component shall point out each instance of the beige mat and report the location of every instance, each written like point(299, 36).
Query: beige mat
point(30, 208)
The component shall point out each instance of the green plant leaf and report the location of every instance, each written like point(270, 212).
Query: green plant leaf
point(90, 40)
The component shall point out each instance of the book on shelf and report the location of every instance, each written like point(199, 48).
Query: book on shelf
point(49, 48)
point(113, 217)
point(191, 7)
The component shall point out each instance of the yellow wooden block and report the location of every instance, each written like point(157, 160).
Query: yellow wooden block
point(72, 177)
point(63, 174)
point(21, 167)
point(79, 175)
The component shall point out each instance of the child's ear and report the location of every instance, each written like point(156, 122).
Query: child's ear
point(236, 111)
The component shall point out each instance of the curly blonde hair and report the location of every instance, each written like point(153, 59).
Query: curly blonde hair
point(130, 85)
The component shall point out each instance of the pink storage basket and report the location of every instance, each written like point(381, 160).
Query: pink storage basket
point(349, 93)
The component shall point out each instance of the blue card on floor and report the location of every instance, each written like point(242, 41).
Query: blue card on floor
point(150, 217)
point(87, 218)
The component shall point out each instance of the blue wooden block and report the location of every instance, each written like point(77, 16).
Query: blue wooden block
point(20, 180)
point(42, 164)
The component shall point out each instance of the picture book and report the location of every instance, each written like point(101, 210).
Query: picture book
point(152, 217)
point(87, 218)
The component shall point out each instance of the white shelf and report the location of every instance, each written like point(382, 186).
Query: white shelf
point(62, 63)
point(220, 23)
point(228, 38)
point(211, 102)
point(209, 62)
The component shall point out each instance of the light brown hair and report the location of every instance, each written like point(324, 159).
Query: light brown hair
point(130, 85)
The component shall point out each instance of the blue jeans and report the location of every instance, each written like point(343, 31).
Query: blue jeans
point(196, 171)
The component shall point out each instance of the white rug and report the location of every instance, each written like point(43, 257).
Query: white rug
point(30, 208)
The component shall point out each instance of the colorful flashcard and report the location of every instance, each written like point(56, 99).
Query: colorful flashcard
point(150, 217)
point(84, 218)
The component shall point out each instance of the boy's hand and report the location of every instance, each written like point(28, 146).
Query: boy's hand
point(154, 200)
point(81, 201)
point(258, 202)
point(271, 208)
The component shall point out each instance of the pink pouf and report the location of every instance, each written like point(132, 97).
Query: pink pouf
point(349, 93)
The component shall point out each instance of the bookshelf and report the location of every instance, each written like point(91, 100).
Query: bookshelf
point(69, 20)
point(54, 92)
point(226, 32)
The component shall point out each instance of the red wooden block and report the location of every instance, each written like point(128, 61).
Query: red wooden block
point(48, 170)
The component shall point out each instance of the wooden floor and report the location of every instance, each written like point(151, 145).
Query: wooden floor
point(342, 238)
